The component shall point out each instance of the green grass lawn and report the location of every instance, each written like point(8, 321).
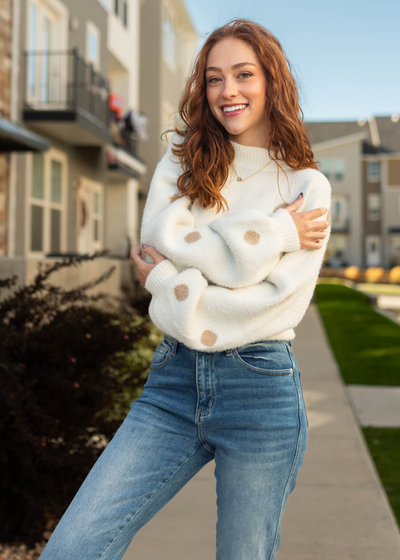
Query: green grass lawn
point(384, 289)
point(384, 446)
point(366, 344)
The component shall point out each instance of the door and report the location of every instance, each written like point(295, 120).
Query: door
point(373, 250)
point(90, 216)
point(46, 61)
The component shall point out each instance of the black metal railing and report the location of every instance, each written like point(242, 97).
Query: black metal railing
point(65, 81)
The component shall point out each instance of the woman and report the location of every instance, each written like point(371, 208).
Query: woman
point(229, 287)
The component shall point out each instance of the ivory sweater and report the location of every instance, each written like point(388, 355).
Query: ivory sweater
point(239, 275)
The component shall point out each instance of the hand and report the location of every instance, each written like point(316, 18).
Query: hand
point(144, 268)
point(310, 233)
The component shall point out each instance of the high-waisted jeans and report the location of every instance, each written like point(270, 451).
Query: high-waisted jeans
point(243, 408)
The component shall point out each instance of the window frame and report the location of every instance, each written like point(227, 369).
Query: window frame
point(331, 166)
point(344, 202)
point(58, 14)
point(371, 177)
point(121, 11)
point(46, 203)
point(371, 215)
point(92, 28)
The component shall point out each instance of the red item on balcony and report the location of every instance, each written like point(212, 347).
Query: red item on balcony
point(115, 101)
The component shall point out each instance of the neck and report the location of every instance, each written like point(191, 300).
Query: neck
point(254, 138)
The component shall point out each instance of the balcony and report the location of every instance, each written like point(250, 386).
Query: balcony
point(122, 157)
point(66, 98)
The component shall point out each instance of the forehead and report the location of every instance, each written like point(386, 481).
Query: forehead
point(230, 51)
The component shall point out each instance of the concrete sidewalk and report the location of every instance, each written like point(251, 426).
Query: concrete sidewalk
point(338, 510)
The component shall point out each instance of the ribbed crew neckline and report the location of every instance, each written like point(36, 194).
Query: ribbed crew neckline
point(252, 157)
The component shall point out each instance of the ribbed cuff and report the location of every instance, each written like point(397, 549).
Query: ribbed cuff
point(287, 229)
point(160, 273)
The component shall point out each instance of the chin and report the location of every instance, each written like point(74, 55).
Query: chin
point(236, 131)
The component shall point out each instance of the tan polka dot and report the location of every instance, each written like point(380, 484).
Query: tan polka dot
point(208, 338)
point(252, 237)
point(328, 216)
point(192, 237)
point(280, 206)
point(181, 292)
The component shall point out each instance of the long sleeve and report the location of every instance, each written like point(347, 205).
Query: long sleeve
point(214, 317)
point(236, 250)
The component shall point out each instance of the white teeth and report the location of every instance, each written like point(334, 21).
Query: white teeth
point(234, 108)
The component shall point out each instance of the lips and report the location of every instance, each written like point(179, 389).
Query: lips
point(233, 109)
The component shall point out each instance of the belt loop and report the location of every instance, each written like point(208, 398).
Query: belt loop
point(174, 346)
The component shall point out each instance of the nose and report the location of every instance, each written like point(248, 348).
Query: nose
point(230, 89)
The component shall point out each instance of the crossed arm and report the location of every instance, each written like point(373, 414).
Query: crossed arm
point(200, 310)
point(233, 251)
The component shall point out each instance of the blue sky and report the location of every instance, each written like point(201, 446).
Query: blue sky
point(344, 54)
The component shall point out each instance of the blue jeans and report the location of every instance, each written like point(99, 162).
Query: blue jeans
point(243, 408)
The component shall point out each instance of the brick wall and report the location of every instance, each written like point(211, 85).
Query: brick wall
point(5, 91)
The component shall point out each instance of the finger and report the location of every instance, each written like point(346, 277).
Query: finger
point(316, 234)
point(135, 255)
point(319, 225)
point(295, 204)
point(315, 212)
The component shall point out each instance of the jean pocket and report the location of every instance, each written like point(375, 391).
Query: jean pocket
point(267, 358)
point(161, 354)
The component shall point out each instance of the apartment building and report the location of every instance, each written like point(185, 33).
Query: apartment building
point(362, 162)
point(168, 46)
point(81, 194)
point(13, 137)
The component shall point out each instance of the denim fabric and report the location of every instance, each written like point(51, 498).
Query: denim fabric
point(243, 408)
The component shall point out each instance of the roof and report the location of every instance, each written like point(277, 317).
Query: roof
point(389, 133)
point(388, 129)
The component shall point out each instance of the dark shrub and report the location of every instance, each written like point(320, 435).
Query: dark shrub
point(67, 375)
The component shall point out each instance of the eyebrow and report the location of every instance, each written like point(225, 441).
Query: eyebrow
point(234, 67)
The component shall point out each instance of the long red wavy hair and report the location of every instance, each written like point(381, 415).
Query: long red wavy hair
point(204, 151)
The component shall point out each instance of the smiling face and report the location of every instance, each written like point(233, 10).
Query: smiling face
point(236, 90)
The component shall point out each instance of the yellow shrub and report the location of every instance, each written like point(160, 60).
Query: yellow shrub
point(394, 275)
point(352, 272)
point(374, 274)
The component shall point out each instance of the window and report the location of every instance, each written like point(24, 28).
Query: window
point(96, 216)
point(93, 44)
point(374, 171)
point(125, 13)
point(337, 249)
point(121, 10)
point(169, 37)
point(333, 169)
point(338, 169)
point(339, 211)
point(374, 206)
point(394, 251)
point(46, 201)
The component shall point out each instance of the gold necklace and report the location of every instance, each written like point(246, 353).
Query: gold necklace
point(241, 179)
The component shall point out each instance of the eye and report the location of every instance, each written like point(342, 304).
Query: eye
point(245, 74)
point(211, 80)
